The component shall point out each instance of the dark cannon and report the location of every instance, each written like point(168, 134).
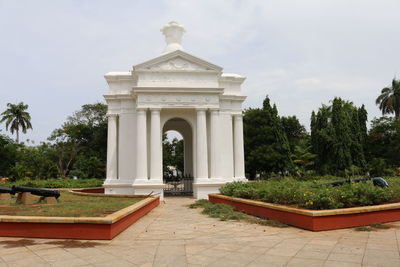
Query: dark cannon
point(6, 190)
point(36, 191)
point(377, 181)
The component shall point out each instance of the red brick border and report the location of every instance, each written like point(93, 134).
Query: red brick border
point(314, 220)
point(88, 228)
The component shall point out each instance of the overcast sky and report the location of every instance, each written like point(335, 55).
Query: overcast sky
point(53, 54)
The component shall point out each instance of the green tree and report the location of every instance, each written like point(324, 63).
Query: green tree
point(17, 118)
point(338, 137)
point(322, 138)
point(81, 143)
point(173, 154)
point(341, 125)
point(267, 149)
point(302, 157)
point(383, 145)
point(8, 155)
point(66, 149)
point(167, 153)
point(357, 140)
point(295, 132)
point(178, 146)
point(35, 162)
point(389, 99)
point(362, 120)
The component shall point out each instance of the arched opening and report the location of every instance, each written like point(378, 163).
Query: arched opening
point(173, 154)
point(177, 157)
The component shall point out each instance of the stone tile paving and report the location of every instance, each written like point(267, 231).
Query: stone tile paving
point(173, 235)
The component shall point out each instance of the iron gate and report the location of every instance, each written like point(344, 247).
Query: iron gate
point(178, 185)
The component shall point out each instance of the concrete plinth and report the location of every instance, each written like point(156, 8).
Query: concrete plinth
point(26, 198)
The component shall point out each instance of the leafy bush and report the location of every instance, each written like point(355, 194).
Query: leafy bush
point(58, 183)
point(312, 195)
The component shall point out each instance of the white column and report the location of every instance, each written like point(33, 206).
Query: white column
point(214, 143)
point(155, 145)
point(127, 142)
point(141, 145)
point(112, 147)
point(201, 145)
point(226, 156)
point(238, 147)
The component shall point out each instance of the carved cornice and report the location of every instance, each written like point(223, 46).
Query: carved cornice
point(169, 100)
point(119, 96)
point(233, 97)
point(232, 78)
point(119, 76)
point(185, 90)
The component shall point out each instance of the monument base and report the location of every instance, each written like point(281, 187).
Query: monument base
point(202, 188)
point(147, 188)
point(118, 187)
point(240, 179)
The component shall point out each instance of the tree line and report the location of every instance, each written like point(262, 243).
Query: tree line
point(338, 143)
point(77, 149)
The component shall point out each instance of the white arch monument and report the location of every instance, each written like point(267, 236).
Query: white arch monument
point(174, 91)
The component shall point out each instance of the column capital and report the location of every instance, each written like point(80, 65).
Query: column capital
point(156, 110)
point(201, 109)
point(112, 115)
point(237, 116)
point(140, 110)
point(214, 110)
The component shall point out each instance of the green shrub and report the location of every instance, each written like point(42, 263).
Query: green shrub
point(312, 195)
point(58, 183)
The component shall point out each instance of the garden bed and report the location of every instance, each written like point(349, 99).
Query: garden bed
point(71, 204)
point(315, 220)
point(106, 223)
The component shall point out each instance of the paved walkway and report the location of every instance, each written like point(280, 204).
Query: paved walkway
point(173, 235)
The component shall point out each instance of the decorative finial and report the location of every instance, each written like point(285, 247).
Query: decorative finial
point(173, 32)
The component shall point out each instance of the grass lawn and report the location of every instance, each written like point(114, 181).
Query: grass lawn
point(227, 213)
point(69, 205)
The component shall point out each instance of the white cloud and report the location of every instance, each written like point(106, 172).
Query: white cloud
point(307, 81)
point(301, 53)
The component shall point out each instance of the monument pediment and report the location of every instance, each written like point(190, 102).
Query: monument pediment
point(177, 61)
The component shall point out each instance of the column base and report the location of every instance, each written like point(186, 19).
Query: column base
point(117, 187)
point(240, 179)
point(145, 187)
point(202, 188)
point(139, 187)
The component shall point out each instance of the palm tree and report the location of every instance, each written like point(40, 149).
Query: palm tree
point(389, 99)
point(16, 117)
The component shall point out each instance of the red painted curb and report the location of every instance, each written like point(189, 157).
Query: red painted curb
point(127, 221)
point(99, 190)
point(75, 230)
point(313, 223)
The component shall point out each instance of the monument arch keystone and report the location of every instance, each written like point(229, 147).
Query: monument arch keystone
point(174, 91)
